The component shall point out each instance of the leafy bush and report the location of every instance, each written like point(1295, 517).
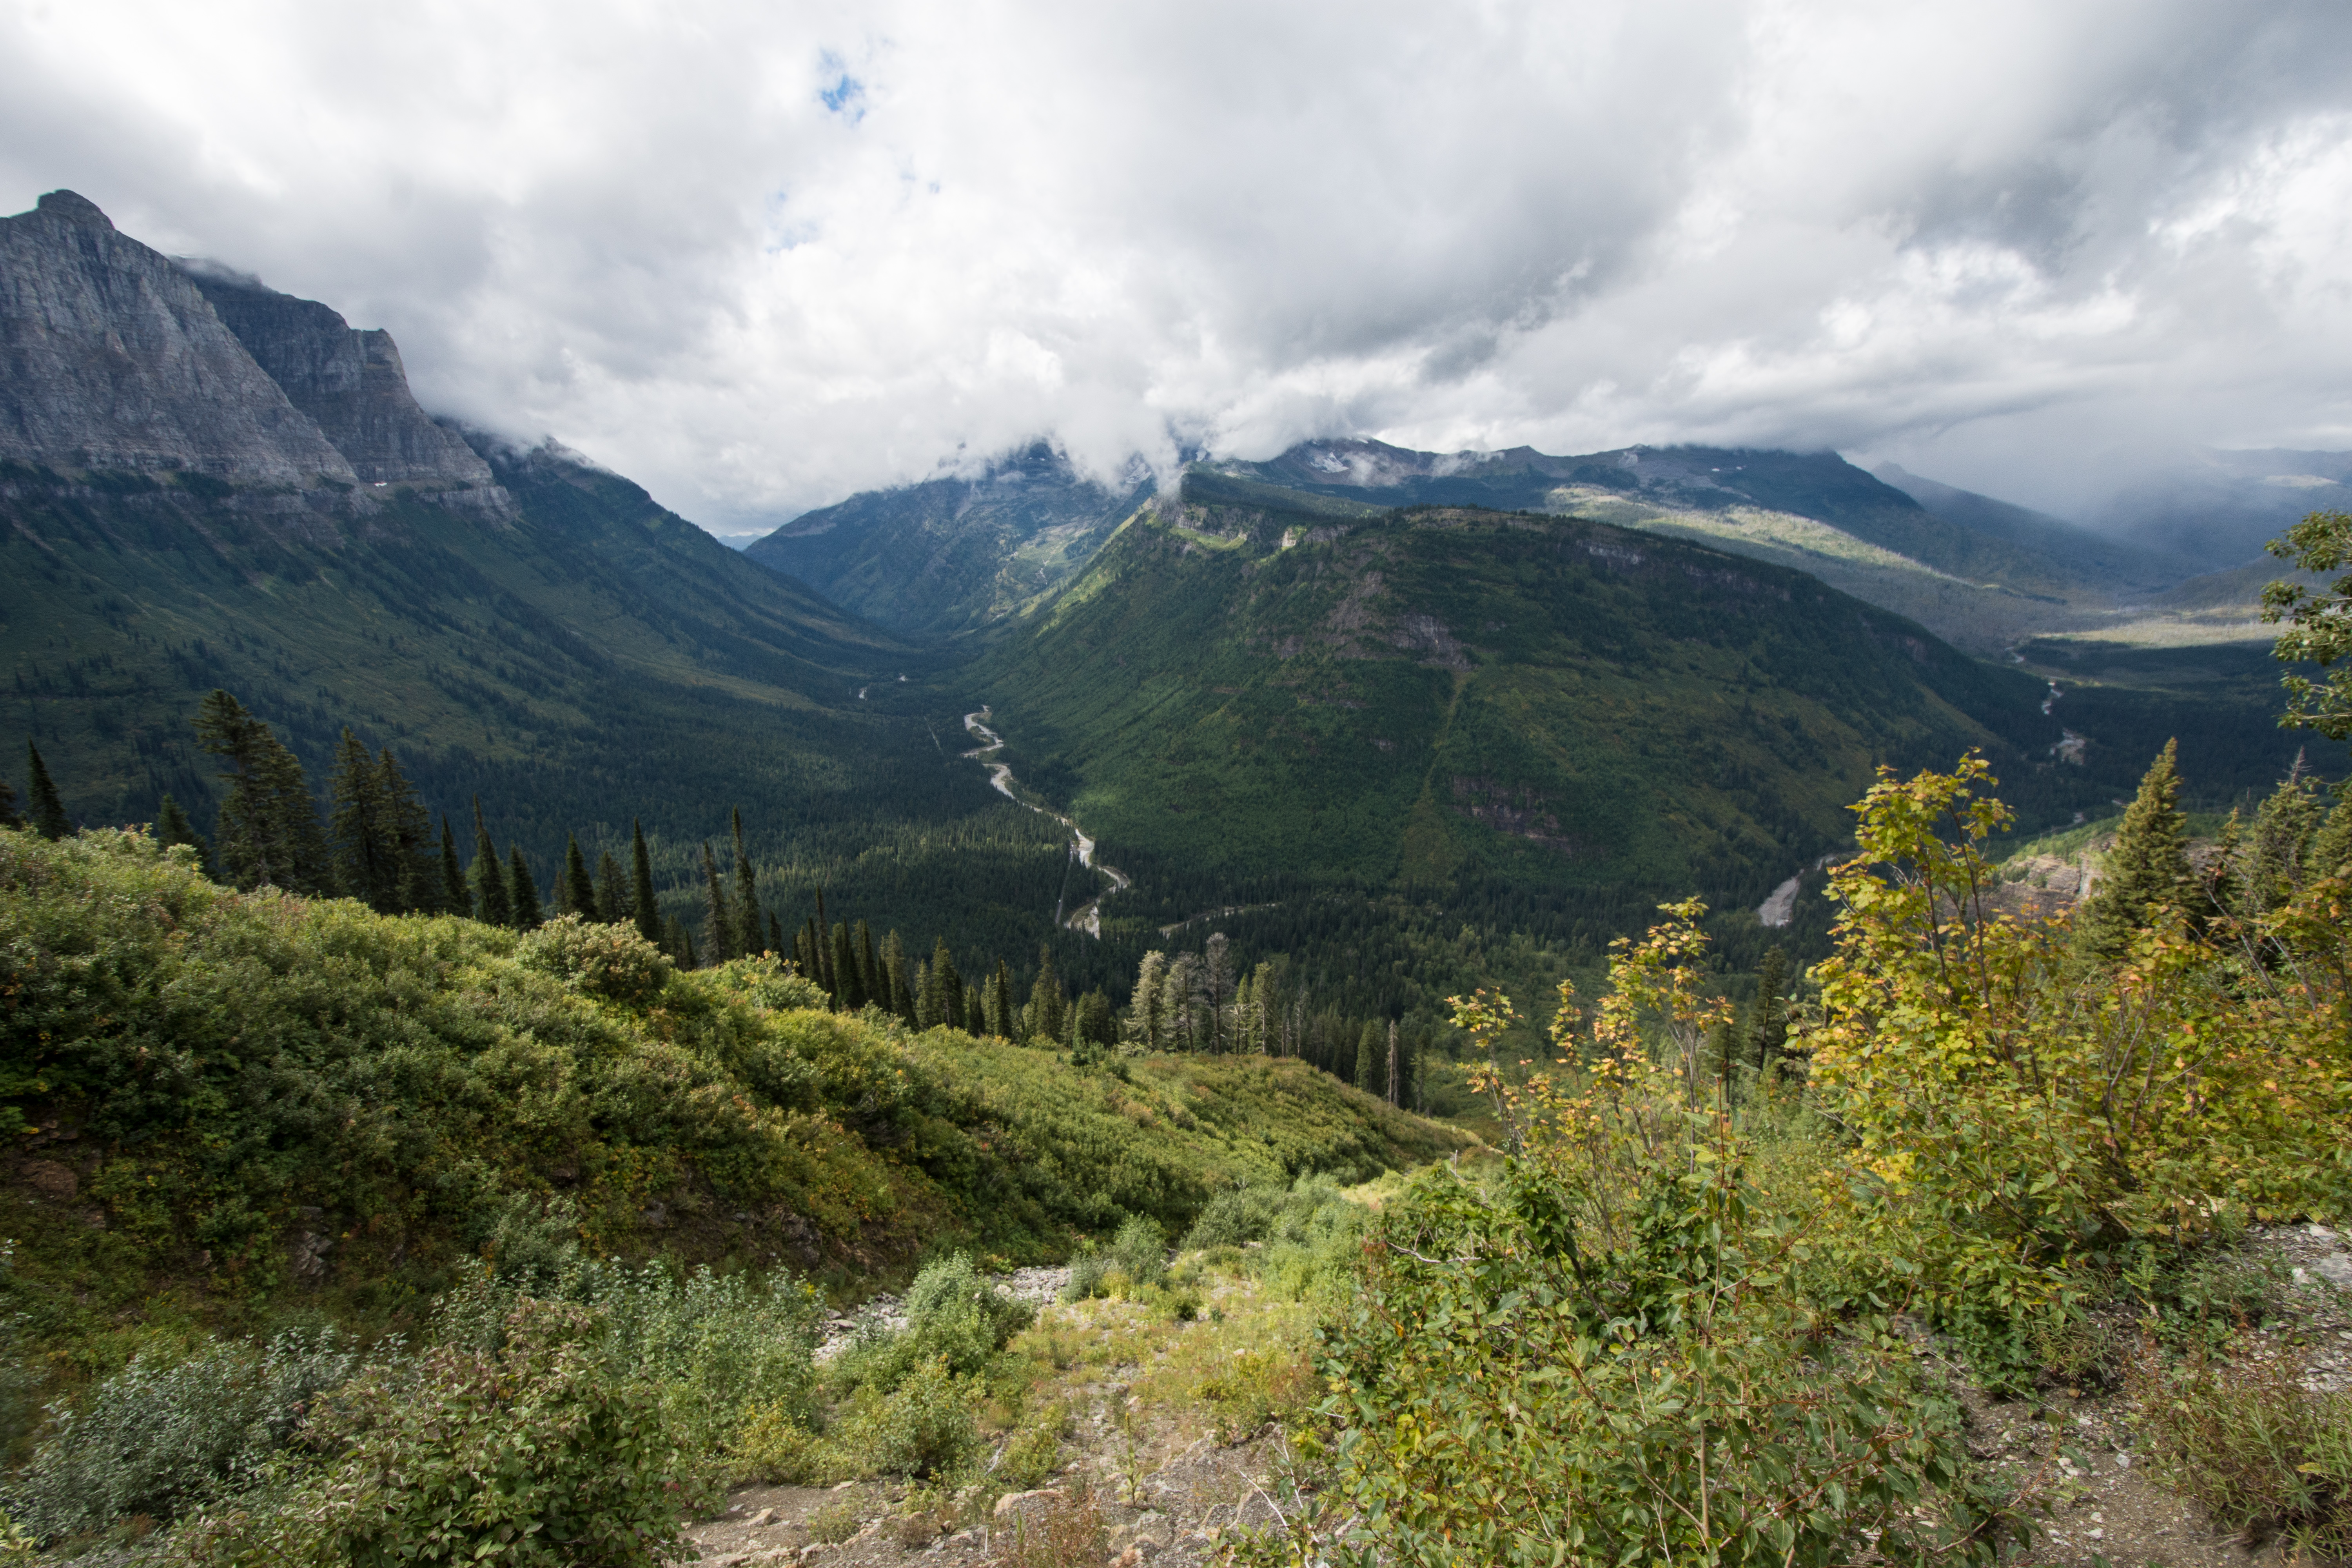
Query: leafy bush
point(612, 961)
point(1306, 1233)
point(525, 1458)
point(954, 1315)
point(161, 1436)
point(1627, 1350)
point(1135, 1261)
point(928, 1425)
point(2254, 1446)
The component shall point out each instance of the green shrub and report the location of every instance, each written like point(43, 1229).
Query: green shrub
point(953, 1315)
point(161, 1436)
point(1034, 1452)
point(2254, 1446)
point(928, 1425)
point(611, 961)
point(1135, 1261)
point(526, 1457)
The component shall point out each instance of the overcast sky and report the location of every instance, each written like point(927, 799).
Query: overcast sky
point(761, 256)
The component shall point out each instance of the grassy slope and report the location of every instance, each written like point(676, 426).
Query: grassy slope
point(213, 1086)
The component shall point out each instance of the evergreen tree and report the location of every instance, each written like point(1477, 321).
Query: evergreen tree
point(642, 907)
point(869, 968)
point(576, 891)
point(1217, 977)
point(455, 898)
point(408, 833)
point(2147, 869)
point(925, 996)
point(678, 944)
point(748, 928)
point(522, 890)
point(1143, 1019)
point(1767, 1016)
point(775, 932)
point(1048, 1003)
point(896, 985)
point(612, 897)
point(821, 949)
point(946, 991)
point(172, 827)
point(2279, 848)
point(1003, 1013)
point(1178, 1004)
point(804, 951)
point(370, 865)
point(8, 816)
point(718, 917)
point(268, 832)
point(1370, 1067)
point(493, 900)
point(1395, 1085)
point(48, 813)
point(851, 996)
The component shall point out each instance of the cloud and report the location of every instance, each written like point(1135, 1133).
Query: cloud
point(760, 255)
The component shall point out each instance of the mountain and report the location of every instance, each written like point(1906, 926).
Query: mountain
point(1981, 578)
point(2220, 507)
point(186, 502)
point(951, 554)
point(1562, 716)
point(115, 360)
point(2093, 556)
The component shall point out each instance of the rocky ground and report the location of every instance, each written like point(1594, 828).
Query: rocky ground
point(1144, 1484)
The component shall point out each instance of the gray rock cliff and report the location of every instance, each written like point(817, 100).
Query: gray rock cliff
point(112, 357)
point(351, 382)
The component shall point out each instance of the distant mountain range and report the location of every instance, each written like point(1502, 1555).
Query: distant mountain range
point(952, 556)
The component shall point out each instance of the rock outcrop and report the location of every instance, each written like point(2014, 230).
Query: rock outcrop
point(349, 381)
point(110, 357)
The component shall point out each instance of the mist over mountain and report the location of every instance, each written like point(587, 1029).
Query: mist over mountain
point(2220, 507)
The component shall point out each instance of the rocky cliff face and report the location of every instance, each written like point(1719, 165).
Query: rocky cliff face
point(110, 357)
point(350, 382)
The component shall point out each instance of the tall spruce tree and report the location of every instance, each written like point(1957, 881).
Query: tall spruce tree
point(2148, 867)
point(522, 890)
point(642, 907)
point(678, 942)
point(775, 933)
point(268, 832)
point(946, 991)
point(869, 968)
point(1767, 1016)
point(408, 832)
point(173, 827)
point(455, 898)
point(47, 812)
point(718, 917)
point(1048, 1002)
point(370, 865)
point(612, 895)
point(1370, 1068)
point(750, 932)
point(578, 892)
point(851, 996)
point(2277, 852)
point(896, 980)
point(493, 900)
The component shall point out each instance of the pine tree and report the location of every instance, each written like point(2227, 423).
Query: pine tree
point(1217, 975)
point(678, 942)
point(611, 898)
point(1144, 1024)
point(1004, 1014)
point(1048, 1003)
point(455, 898)
point(268, 832)
point(869, 968)
point(1369, 1070)
point(1767, 1016)
point(173, 827)
point(578, 892)
point(2331, 846)
point(493, 900)
point(718, 917)
point(522, 890)
point(821, 950)
point(946, 990)
point(369, 864)
point(2147, 869)
point(2280, 845)
point(895, 981)
point(642, 907)
point(845, 964)
point(408, 833)
point(48, 813)
point(775, 932)
point(748, 933)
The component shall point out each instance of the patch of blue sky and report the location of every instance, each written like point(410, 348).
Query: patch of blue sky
point(844, 94)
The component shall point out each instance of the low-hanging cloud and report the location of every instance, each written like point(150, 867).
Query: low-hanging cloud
point(760, 255)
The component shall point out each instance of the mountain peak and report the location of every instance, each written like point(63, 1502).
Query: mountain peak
point(74, 207)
